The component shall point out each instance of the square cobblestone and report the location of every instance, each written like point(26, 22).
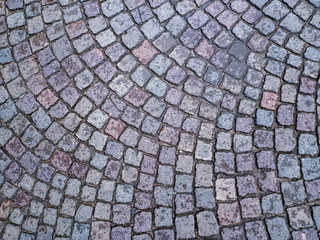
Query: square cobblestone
point(277, 228)
point(250, 207)
point(297, 213)
point(293, 192)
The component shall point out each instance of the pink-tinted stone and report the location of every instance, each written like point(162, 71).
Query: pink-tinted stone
point(114, 128)
point(5, 208)
point(61, 160)
point(22, 199)
point(76, 29)
point(79, 169)
point(229, 213)
point(47, 98)
point(136, 97)
point(15, 147)
point(269, 100)
point(205, 49)
point(145, 53)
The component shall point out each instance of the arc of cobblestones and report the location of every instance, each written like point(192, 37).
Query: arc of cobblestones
point(157, 119)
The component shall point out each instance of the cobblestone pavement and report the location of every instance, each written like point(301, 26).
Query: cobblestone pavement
point(136, 119)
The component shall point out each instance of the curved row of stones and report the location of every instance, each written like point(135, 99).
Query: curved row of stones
point(135, 119)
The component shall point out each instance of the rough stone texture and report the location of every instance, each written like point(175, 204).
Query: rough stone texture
point(157, 119)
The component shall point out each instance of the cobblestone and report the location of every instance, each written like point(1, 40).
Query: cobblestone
point(156, 119)
point(277, 228)
point(272, 204)
point(302, 212)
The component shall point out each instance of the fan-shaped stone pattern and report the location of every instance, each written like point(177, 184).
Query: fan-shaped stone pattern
point(159, 119)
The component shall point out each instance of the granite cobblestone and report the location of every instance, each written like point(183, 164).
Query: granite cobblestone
point(157, 119)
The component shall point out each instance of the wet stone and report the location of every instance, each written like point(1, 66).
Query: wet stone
point(145, 53)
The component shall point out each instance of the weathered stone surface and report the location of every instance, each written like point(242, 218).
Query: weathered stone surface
point(157, 119)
